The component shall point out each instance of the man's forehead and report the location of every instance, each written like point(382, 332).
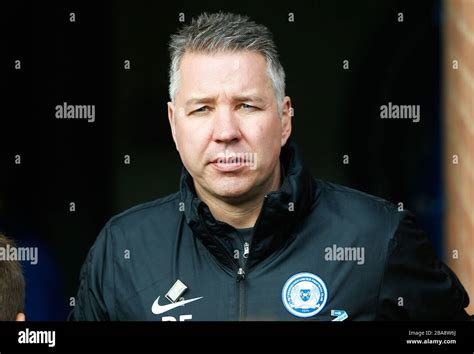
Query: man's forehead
point(208, 75)
point(234, 57)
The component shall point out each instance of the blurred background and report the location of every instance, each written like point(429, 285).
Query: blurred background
point(404, 52)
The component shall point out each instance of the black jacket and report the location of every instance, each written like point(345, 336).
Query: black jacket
point(319, 251)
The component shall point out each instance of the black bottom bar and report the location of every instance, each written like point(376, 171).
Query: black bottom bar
point(448, 337)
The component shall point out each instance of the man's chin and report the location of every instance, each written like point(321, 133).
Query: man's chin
point(233, 195)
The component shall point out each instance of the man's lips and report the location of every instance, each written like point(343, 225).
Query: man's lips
point(230, 165)
point(229, 161)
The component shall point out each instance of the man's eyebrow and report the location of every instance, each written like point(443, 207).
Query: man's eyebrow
point(199, 100)
point(240, 98)
point(248, 98)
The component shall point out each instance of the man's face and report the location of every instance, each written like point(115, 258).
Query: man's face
point(226, 125)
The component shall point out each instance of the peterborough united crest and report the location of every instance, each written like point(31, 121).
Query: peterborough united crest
point(304, 295)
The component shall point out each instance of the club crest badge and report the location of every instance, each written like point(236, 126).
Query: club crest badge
point(304, 295)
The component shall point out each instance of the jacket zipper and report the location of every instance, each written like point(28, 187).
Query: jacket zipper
point(242, 270)
point(246, 250)
point(240, 276)
point(240, 280)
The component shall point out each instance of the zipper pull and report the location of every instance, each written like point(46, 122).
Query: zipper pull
point(246, 249)
point(240, 274)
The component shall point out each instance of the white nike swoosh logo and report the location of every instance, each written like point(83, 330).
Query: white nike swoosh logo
point(157, 309)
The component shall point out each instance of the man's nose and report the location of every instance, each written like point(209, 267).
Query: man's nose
point(226, 126)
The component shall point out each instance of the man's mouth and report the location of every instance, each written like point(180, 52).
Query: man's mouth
point(228, 164)
point(229, 161)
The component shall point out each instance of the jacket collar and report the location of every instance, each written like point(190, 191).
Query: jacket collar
point(281, 212)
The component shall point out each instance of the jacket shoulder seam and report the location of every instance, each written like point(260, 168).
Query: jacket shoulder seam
point(362, 195)
point(148, 205)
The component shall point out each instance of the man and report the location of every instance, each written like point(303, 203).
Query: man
point(251, 235)
point(12, 285)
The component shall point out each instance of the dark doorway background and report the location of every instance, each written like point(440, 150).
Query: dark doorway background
point(337, 112)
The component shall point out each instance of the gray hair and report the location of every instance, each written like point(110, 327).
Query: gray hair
point(220, 32)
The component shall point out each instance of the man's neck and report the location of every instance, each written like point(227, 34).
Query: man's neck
point(239, 215)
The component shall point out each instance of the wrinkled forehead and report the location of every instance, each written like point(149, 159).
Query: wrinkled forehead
point(223, 72)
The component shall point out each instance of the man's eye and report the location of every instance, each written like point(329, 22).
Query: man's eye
point(201, 109)
point(246, 106)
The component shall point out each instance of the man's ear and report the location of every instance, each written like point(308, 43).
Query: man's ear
point(171, 117)
point(286, 115)
point(20, 317)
